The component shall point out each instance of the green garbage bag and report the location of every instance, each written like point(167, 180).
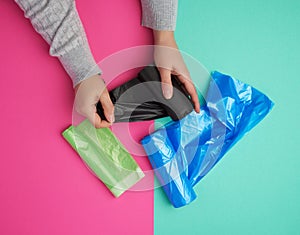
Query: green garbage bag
point(105, 156)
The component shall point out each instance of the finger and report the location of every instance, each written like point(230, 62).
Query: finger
point(94, 118)
point(90, 112)
point(98, 123)
point(92, 115)
point(108, 106)
point(166, 83)
point(189, 86)
point(104, 124)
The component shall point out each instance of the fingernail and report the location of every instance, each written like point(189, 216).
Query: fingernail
point(112, 118)
point(167, 91)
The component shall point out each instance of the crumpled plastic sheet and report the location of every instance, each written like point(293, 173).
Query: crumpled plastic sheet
point(183, 152)
point(105, 156)
point(141, 99)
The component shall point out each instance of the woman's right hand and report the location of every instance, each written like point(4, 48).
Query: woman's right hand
point(169, 60)
point(87, 94)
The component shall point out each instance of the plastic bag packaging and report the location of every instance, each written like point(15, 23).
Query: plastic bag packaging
point(105, 156)
point(141, 99)
point(183, 152)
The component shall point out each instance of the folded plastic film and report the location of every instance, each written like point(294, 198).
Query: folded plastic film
point(141, 99)
point(199, 141)
point(169, 169)
point(105, 156)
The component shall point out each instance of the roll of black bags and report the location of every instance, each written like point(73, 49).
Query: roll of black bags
point(141, 99)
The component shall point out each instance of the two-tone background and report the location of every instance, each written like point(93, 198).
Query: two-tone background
point(255, 189)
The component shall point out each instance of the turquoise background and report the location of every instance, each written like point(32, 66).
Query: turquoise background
point(255, 188)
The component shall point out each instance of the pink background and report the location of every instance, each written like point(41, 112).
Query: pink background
point(44, 186)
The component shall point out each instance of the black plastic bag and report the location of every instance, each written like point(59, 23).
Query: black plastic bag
point(141, 99)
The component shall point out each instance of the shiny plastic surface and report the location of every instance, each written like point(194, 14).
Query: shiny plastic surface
point(141, 99)
point(183, 152)
point(105, 156)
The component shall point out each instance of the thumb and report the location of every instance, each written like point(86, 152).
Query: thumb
point(95, 120)
point(166, 83)
point(108, 106)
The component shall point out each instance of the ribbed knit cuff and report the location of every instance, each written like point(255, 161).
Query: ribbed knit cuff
point(79, 64)
point(160, 15)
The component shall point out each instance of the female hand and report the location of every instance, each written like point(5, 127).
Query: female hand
point(169, 61)
point(88, 93)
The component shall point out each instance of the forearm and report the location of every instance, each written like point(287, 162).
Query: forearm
point(59, 24)
point(159, 14)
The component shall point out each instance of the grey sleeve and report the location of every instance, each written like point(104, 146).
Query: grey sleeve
point(59, 24)
point(159, 14)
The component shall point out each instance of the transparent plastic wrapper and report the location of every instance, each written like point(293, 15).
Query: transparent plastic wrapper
point(105, 156)
point(141, 99)
point(183, 152)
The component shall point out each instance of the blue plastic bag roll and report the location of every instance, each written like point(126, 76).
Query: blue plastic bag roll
point(183, 152)
point(170, 171)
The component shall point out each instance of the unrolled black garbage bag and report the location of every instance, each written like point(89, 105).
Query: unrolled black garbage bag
point(183, 152)
point(141, 99)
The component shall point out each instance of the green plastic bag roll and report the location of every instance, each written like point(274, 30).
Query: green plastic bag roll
point(105, 156)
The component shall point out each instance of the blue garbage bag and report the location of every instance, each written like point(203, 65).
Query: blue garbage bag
point(183, 152)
